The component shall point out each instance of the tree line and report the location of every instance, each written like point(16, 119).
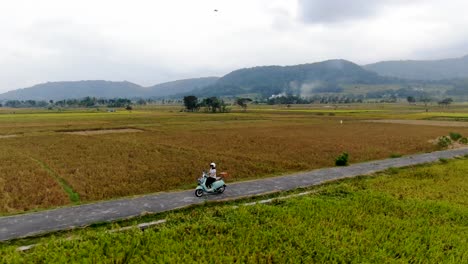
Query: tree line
point(84, 102)
point(211, 104)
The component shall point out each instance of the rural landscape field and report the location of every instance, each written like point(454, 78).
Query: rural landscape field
point(412, 215)
point(78, 156)
point(284, 131)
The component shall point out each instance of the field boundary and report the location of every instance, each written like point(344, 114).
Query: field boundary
point(90, 132)
point(39, 223)
point(8, 136)
point(72, 195)
point(425, 122)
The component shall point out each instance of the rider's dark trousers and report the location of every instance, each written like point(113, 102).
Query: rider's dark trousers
point(209, 181)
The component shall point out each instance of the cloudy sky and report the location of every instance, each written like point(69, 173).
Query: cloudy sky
point(153, 41)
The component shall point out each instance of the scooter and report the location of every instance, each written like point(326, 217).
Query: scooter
point(216, 187)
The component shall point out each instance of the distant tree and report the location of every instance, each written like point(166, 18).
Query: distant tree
point(426, 100)
point(141, 102)
point(242, 102)
point(445, 102)
point(411, 99)
point(214, 104)
point(88, 102)
point(42, 103)
point(119, 102)
point(13, 103)
point(30, 103)
point(191, 103)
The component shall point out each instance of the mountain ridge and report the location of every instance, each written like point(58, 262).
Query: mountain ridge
point(102, 89)
point(325, 77)
point(431, 70)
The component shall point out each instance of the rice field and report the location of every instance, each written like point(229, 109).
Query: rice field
point(411, 215)
point(45, 166)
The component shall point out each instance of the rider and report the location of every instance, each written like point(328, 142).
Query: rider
point(211, 175)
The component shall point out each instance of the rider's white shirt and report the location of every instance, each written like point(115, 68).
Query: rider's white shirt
point(212, 173)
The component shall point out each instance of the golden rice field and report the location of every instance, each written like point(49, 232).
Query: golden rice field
point(43, 166)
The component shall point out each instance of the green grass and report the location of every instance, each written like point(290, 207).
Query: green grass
point(412, 215)
point(72, 195)
point(395, 155)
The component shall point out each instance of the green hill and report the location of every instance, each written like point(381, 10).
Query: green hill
point(180, 86)
point(78, 89)
point(332, 77)
point(321, 77)
point(423, 70)
point(103, 89)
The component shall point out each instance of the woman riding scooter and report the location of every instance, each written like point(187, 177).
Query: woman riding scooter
point(209, 183)
point(211, 176)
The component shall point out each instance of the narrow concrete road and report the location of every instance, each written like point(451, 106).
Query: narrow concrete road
point(32, 224)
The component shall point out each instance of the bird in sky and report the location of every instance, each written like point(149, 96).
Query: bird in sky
point(216, 10)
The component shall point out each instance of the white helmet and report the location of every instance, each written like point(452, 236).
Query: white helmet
point(213, 164)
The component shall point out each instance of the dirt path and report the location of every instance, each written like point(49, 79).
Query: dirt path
point(422, 122)
point(32, 224)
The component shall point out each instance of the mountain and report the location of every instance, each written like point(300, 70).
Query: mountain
point(321, 77)
point(78, 89)
point(423, 70)
point(179, 86)
point(402, 78)
point(103, 89)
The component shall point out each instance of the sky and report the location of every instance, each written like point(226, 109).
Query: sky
point(153, 41)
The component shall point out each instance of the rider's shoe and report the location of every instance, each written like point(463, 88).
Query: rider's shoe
point(210, 190)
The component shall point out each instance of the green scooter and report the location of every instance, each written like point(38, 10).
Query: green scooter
point(216, 187)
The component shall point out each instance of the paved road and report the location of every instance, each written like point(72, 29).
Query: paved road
point(32, 224)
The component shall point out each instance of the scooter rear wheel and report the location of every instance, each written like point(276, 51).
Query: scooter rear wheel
point(198, 192)
point(221, 189)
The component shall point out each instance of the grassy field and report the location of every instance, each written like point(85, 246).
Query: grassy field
point(44, 167)
point(412, 215)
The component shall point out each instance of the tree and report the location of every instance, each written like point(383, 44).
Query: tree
point(411, 99)
point(119, 102)
point(42, 103)
point(426, 100)
point(445, 102)
point(242, 102)
point(30, 103)
point(88, 101)
point(13, 103)
point(141, 102)
point(214, 104)
point(191, 103)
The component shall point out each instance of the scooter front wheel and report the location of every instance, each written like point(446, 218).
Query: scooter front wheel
point(198, 192)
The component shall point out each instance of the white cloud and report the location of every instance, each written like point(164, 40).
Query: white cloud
point(319, 11)
point(151, 41)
